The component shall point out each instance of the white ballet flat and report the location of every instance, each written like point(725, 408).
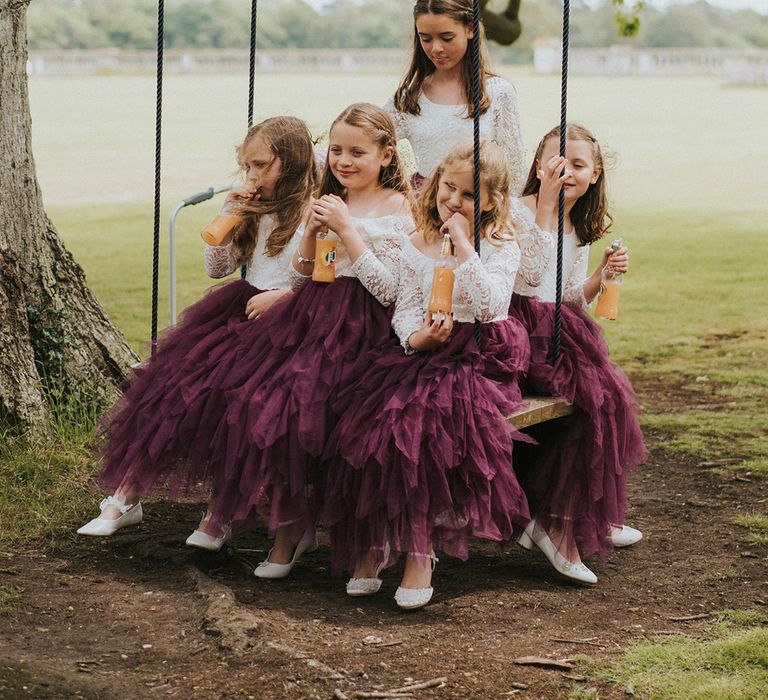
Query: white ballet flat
point(103, 527)
point(414, 598)
point(268, 569)
point(574, 572)
point(360, 587)
point(626, 536)
point(202, 540)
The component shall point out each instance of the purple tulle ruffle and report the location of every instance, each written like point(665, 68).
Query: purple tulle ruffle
point(422, 456)
point(575, 478)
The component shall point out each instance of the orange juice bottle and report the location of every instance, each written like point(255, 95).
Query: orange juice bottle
point(441, 298)
point(325, 260)
point(221, 226)
point(608, 302)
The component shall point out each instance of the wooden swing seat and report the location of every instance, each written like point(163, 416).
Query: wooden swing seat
point(539, 409)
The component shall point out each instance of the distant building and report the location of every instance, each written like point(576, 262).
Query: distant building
point(735, 66)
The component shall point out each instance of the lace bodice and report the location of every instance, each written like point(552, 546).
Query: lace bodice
point(378, 268)
point(434, 132)
point(482, 289)
point(262, 271)
point(538, 272)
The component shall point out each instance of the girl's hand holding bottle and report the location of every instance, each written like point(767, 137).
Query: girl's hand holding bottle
point(331, 210)
point(457, 227)
point(435, 330)
point(615, 261)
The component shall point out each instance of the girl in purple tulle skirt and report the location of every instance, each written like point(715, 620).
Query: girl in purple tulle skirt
point(421, 458)
point(280, 393)
point(575, 478)
point(159, 433)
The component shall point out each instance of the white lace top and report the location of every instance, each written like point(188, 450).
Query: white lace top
point(538, 275)
point(378, 268)
point(262, 271)
point(434, 132)
point(482, 289)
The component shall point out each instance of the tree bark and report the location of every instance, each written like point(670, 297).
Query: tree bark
point(55, 338)
point(503, 27)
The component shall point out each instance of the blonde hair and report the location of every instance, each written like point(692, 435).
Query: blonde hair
point(590, 216)
point(410, 88)
point(376, 123)
point(289, 140)
point(495, 179)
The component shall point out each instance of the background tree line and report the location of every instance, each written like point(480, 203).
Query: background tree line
point(87, 24)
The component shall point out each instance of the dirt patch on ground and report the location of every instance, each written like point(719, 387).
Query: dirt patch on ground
point(141, 616)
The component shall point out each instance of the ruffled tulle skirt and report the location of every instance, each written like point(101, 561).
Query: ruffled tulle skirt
point(421, 456)
point(280, 392)
point(158, 433)
point(575, 478)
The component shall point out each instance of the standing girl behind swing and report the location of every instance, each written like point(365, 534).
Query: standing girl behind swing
point(432, 107)
point(154, 436)
point(575, 478)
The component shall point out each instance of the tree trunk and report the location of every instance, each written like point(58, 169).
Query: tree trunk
point(503, 27)
point(56, 342)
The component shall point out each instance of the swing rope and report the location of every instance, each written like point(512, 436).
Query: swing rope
point(252, 62)
point(158, 123)
point(251, 80)
point(158, 141)
point(476, 78)
point(555, 353)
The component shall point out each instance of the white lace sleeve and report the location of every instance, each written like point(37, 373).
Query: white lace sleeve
point(380, 272)
point(408, 315)
point(536, 245)
point(506, 130)
point(296, 278)
point(398, 119)
point(487, 287)
point(220, 261)
point(573, 289)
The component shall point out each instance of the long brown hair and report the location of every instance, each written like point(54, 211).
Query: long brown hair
point(376, 123)
point(289, 140)
point(590, 216)
point(410, 88)
point(495, 179)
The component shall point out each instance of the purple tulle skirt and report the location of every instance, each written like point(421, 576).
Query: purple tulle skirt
point(422, 456)
point(575, 478)
point(158, 433)
point(280, 391)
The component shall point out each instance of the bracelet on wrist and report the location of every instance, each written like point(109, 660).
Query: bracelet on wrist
point(303, 261)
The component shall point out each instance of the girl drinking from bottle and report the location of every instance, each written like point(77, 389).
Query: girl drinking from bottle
point(280, 393)
point(421, 456)
point(157, 433)
point(575, 479)
point(432, 107)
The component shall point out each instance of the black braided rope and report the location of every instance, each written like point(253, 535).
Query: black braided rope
point(252, 63)
point(251, 81)
point(561, 200)
point(476, 77)
point(158, 122)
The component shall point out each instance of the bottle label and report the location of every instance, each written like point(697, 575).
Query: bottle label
point(325, 260)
